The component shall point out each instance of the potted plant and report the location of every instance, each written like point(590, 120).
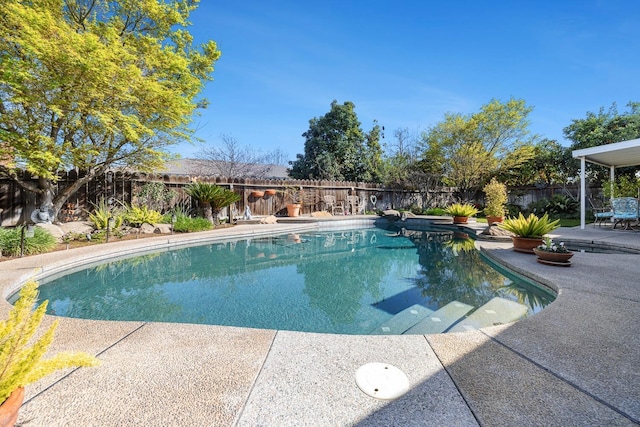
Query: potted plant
point(461, 212)
point(21, 356)
point(551, 253)
point(294, 196)
point(528, 231)
point(496, 200)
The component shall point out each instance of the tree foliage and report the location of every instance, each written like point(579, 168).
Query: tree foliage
point(548, 163)
point(90, 85)
point(605, 127)
point(336, 148)
point(467, 149)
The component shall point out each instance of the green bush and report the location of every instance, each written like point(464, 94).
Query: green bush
point(101, 213)
point(42, 241)
point(435, 212)
point(623, 186)
point(531, 226)
point(138, 215)
point(185, 224)
point(461, 209)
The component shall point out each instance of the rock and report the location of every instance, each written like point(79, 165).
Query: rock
point(53, 229)
point(269, 220)
point(494, 230)
point(162, 229)
point(147, 228)
point(391, 214)
point(77, 227)
point(321, 214)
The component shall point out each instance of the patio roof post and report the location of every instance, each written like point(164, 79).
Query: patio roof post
point(612, 178)
point(583, 192)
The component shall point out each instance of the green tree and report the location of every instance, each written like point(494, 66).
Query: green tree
point(548, 163)
point(336, 148)
point(468, 149)
point(92, 85)
point(605, 127)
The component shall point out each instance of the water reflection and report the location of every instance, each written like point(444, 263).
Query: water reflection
point(342, 281)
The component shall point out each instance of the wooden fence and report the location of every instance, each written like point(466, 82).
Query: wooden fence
point(17, 205)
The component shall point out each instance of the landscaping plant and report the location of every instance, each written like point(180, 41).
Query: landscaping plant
point(496, 198)
point(10, 241)
point(461, 209)
point(531, 226)
point(22, 353)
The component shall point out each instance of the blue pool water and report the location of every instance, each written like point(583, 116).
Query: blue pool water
point(349, 282)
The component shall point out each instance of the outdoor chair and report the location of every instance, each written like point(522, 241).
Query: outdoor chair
point(625, 209)
point(332, 205)
point(600, 212)
point(353, 204)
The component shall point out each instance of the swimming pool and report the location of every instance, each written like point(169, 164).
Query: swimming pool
point(362, 281)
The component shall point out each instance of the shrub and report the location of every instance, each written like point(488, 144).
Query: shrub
point(461, 209)
point(435, 211)
point(531, 226)
point(101, 214)
point(138, 215)
point(42, 241)
point(496, 194)
point(185, 224)
point(21, 356)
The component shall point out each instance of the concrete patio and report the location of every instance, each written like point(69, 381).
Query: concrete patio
point(574, 363)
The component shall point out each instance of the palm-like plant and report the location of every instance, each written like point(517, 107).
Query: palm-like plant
point(221, 200)
point(531, 226)
point(212, 198)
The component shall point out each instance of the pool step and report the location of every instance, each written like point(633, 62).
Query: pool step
point(498, 311)
point(441, 319)
point(403, 320)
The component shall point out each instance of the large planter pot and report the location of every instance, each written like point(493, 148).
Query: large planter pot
point(553, 258)
point(293, 209)
point(257, 194)
point(460, 219)
point(525, 244)
point(494, 219)
point(9, 409)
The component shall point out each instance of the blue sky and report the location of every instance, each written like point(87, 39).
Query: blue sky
point(407, 63)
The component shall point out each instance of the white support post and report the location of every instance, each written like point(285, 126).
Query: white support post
point(583, 192)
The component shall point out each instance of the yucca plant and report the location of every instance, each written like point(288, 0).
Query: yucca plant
point(531, 226)
point(21, 354)
point(101, 214)
point(461, 209)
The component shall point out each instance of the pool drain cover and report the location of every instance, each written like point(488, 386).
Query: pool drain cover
point(382, 381)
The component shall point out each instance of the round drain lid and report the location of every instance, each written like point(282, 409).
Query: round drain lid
point(382, 381)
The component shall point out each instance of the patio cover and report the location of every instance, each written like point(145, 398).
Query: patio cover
point(616, 155)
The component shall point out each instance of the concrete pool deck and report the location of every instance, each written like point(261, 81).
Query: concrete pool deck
point(574, 363)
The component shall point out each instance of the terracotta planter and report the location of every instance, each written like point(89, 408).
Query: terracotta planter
point(525, 244)
point(293, 209)
point(553, 257)
point(270, 192)
point(9, 409)
point(494, 219)
point(257, 194)
point(460, 219)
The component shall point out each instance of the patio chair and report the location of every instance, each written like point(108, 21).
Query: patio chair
point(625, 209)
point(353, 204)
point(331, 205)
point(601, 213)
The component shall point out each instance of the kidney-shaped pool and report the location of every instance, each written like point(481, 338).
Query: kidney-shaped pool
point(362, 281)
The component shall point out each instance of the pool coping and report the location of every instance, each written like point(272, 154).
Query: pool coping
point(574, 363)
